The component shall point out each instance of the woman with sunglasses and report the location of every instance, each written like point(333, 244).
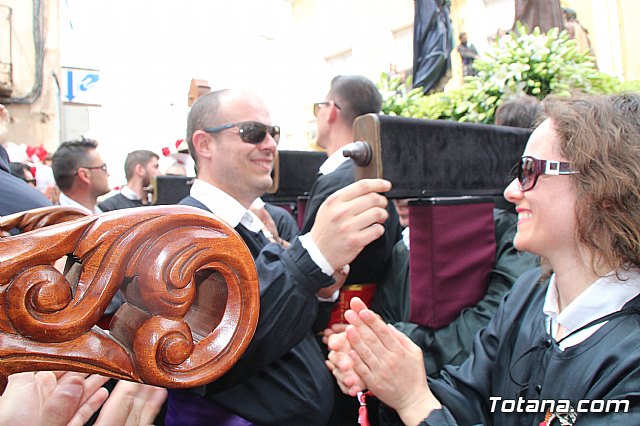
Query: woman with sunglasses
point(564, 346)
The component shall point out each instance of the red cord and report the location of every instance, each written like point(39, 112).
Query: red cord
point(363, 414)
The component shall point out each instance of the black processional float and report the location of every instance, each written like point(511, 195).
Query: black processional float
point(455, 174)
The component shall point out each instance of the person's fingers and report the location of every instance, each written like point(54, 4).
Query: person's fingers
point(334, 329)
point(404, 340)
point(89, 407)
point(330, 366)
point(337, 341)
point(91, 383)
point(360, 367)
point(347, 380)
point(352, 317)
point(356, 304)
point(132, 404)
point(60, 407)
point(153, 403)
point(380, 329)
point(360, 188)
point(119, 408)
point(340, 360)
point(363, 204)
point(367, 345)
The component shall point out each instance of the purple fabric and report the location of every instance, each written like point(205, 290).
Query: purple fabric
point(188, 409)
point(452, 254)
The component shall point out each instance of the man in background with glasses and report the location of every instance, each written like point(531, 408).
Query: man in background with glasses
point(349, 97)
point(281, 378)
point(81, 174)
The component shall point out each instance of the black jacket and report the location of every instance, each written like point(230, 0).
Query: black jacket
point(17, 195)
point(281, 378)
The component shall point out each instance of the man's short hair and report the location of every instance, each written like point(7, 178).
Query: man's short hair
point(521, 111)
point(70, 156)
point(18, 169)
point(356, 95)
point(203, 114)
point(141, 156)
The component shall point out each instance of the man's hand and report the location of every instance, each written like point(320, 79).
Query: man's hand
point(341, 277)
point(350, 219)
point(271, 230)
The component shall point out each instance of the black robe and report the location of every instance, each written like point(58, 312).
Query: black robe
point(281, 378)
point(369, 265)
point(17, 195)
point(514, 356)
point(285, 223)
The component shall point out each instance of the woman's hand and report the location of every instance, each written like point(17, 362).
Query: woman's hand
point(389, 364)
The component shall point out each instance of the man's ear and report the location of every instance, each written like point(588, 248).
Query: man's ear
point(139, 169)
point(201, 144)
point(83, 175)
point(333, 113)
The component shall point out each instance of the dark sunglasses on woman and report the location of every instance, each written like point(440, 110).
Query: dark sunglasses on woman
point(529, 169)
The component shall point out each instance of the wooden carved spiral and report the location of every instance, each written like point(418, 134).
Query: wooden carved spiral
point(191, 290)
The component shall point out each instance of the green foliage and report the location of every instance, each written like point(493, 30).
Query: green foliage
point(629, 86)
point(534, 63)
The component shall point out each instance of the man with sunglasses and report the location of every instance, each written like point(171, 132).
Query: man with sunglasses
point(81, 174)
point(281, 378)
point(349, 97)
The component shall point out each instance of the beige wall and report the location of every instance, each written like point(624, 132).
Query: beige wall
point(371, 34)
point(36, 122)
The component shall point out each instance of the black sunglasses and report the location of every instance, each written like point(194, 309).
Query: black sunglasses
point(529, 169)
point(250, 131)
point(317, 105)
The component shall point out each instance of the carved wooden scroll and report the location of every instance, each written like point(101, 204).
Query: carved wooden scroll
point(39, 218)
point(191, 289)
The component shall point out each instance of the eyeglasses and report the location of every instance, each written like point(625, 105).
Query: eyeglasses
point(529, 169)
point(251, 132)
point(103, 166)
point(31, 182)
point(317, 105)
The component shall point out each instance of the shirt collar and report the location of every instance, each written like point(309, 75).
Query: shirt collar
point(405, 237)
point(603, 297)
point(129, 193)
point(333, 162)
point(223, 205)
point(64, 200)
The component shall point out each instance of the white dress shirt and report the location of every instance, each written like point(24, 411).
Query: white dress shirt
point(605, 296)
point(63, 200)
point(333, 162)
point(229, 210)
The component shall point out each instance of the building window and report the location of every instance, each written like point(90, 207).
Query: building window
point(402, 51)
point(340, 63)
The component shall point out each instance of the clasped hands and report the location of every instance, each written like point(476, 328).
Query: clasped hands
point(373, 355)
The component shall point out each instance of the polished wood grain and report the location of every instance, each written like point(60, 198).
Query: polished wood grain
point(39, 218)
point(191, 289)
